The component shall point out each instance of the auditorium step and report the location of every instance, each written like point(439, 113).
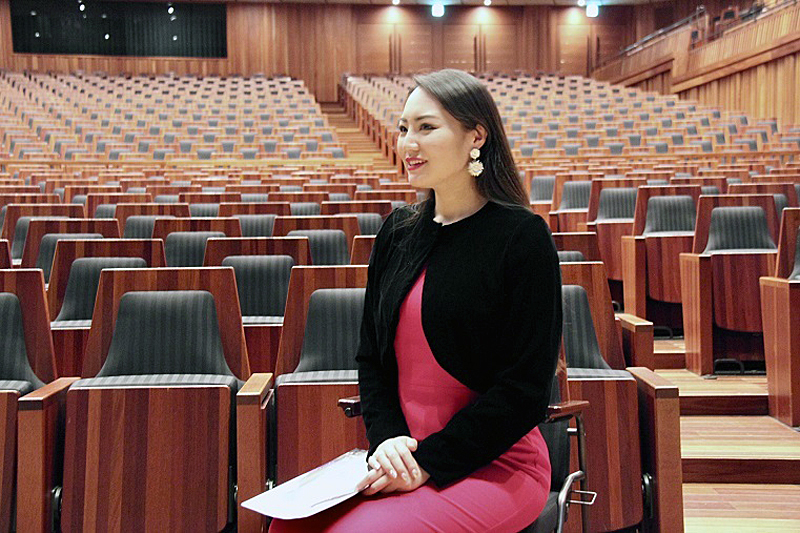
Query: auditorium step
point(359, 145)
point(739, 449)
point(669, 353)
point(740, 508)
point(720, 395)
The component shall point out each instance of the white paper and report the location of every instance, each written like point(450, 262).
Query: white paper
point(314, 491)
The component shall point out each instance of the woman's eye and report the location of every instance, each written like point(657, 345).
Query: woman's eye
point(427, 127)
point(402, 129)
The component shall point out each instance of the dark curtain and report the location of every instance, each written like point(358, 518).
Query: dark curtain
point(120, 29)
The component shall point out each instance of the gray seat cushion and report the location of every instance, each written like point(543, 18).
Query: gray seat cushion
point(105, 211)
point(302, 209)
point(14, 363)
point(257, 225)
point(738, 228)
point(261, 320)
point(47, 248)
point(575, 195)
point(328, 246)
point(369, 223)
point(262, 282)
point(542, 188)
point(570, 256)
point(84, 278)
point(580, 338)
point(319, 376)
point(188, 248)
point(166, 332)
point(616, 203)
point(666, 214)
point(332, 330)
point(204, 210)
point(21, 387)
point(141, 226)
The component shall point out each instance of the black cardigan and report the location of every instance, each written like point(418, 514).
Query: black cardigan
point(491, 312)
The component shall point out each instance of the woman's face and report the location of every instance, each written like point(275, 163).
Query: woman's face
point(433, 145)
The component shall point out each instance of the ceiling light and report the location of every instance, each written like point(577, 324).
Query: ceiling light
point(581, 3)
point(437, 9)
point(106, 36)
point(487, 3)
point(395, 2)
point(174, 37)
point(36, 35)
point(592, 10)
point(170, 10)
point(82, 7)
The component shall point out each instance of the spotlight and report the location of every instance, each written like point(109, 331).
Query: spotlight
point(33, 13)
point(592, 10)
point(395, 2)
point(437, 9)
point(174, 37)
point(170, 10)
point(487, 3)
point(82, 7)
point(173, 18)
point(37, 35)
point(106, 36)
point(581, 3)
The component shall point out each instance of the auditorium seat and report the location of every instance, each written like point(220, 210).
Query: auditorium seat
point(325, 371)
point(780, 308)
point(663, 228)
point(47, 248)
point(362, 249)
point(734, 245)
point(328, 246)
point(572, 207)
point(188, 248)
point(570, 256)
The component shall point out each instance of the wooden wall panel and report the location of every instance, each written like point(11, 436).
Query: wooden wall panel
point(319, 42)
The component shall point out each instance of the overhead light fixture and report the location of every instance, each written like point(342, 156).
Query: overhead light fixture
point(33, 13)
point(592, 10)
point(437, 9)
point(174, 37)
point(37, 35)
point(581, 3)
point(82, 7)
point(395, 2)
point(170, 10)
point(106, 36)
point(487, 3)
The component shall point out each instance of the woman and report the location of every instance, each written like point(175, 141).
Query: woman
point(460, 336)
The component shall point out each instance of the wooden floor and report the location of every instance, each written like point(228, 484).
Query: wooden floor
point(739, 508)
point(359, 145)
point(741, 468)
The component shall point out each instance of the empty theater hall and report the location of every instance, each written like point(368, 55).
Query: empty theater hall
point(451, 266)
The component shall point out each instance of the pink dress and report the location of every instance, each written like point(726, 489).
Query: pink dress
point(505, 496)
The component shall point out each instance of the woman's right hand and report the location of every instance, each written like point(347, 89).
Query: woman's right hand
point(393, 459)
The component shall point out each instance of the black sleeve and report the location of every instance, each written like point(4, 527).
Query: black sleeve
point(528, 340)
point(380, 403)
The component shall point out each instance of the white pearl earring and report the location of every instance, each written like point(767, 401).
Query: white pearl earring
point(475, 166)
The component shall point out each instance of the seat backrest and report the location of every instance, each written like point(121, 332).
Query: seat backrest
point(204, 210)
point(47, 248)
point(542, 188)
point(188, 248)
point(556, 437)
point(369, 223)
point(257, 225)
point(328, 246)
point(575, 195)
point(570, 256)
point(84, 276)
point(262, 282)
point(14, 363)
point(580, 338)
point(739, 228)
point(300, 209)
point(669, 213)
point(332, 330)
point(166, 332)
point(616, 202)
point(141, 226)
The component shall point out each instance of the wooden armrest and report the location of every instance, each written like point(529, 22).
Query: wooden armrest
point(655, 385)
point(255, 389)
point(564, 410)
point(351, 406)
point(40, 398)
point(634, 323)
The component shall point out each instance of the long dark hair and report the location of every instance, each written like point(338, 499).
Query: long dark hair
point(469, 102)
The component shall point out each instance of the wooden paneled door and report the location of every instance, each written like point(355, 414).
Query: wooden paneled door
point(499, 47)
point(394, 48)
point(573, 47)
point(461, 46)
point(374, 48)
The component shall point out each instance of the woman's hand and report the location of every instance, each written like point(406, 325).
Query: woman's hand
point(394, 468)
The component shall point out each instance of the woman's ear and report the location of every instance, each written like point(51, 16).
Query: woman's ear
point(479, 136)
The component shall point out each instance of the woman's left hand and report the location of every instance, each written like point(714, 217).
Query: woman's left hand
point(378, 481)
